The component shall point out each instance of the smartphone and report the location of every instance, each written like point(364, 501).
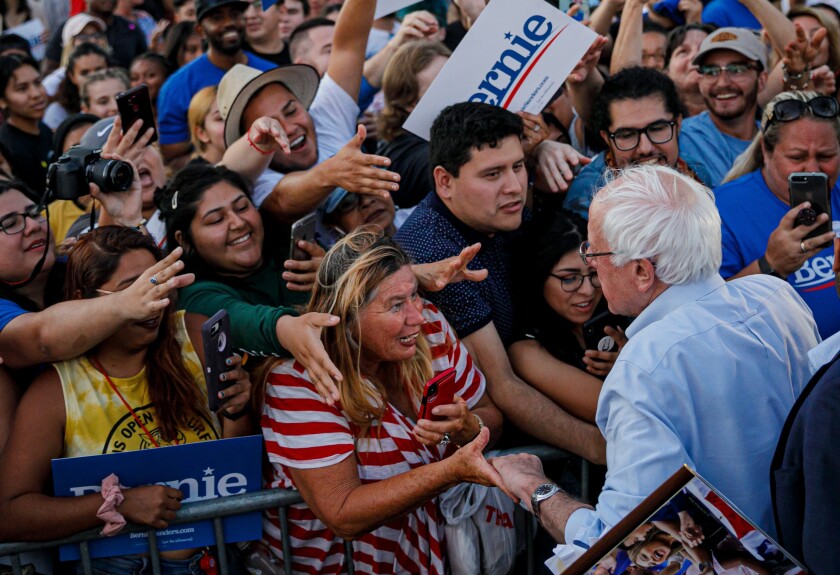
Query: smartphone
point(593, 331)
point(440, 390)
point(302, 230)
point(135, 104)
point(811, 187)
point(215, 334)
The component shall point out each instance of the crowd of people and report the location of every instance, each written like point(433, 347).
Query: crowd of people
point(625, 275)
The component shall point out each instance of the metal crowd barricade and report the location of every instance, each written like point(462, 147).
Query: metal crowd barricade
point(216, 509)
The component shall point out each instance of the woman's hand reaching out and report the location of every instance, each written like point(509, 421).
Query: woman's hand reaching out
point(601, 362)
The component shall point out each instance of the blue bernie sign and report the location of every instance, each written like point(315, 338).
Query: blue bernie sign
point(203, 470)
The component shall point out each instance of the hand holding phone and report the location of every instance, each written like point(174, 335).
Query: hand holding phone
point(440, 390)
point(218, 347)
point(302, 230)
point(594, 335)
point(136, 104)
point(811, 187)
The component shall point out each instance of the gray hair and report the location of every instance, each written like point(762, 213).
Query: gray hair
point(752, 158)
point(657, 213)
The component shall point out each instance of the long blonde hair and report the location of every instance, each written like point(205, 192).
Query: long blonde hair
point(348, 280)
point(752, 158)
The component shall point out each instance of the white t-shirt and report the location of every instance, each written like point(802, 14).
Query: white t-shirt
point(334, 114)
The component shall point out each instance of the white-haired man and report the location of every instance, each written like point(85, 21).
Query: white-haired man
point(710, 370)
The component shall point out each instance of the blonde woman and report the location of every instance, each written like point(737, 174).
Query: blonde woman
point(366, 467)
point(207, 127)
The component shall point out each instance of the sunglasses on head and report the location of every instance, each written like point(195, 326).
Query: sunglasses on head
point(790, 110)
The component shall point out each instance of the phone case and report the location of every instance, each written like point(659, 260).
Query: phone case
point(136, 104)
point(811, 187)
point(440, 390)
point(302, 230)
point(593, 331)
point(215, 334)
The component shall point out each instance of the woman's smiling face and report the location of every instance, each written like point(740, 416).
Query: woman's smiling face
point(576, 306)
point(227, 231)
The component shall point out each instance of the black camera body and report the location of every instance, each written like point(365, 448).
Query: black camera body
point(68, 178)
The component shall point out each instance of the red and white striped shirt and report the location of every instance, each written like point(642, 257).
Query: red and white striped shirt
point(302, 432)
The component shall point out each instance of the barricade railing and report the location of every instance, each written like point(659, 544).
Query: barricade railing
point(281, 499)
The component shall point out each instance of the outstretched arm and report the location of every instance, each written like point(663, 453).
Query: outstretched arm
point(70, 328)
point(299, 193)
point(525, 406)
point(349, 42)
point(628, 44)
point(336, 495)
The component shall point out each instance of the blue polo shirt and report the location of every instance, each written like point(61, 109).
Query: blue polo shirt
point(180, 87)
point(433, 233)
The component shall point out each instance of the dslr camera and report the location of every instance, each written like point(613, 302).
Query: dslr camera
point(68, 178)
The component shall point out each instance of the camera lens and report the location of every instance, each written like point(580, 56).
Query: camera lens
point(111, 175)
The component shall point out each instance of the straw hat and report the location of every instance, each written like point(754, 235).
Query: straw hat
point(240, 83)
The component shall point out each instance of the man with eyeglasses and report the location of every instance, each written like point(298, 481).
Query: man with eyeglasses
point(710, 370)
point(638, 114)
point(732, 63)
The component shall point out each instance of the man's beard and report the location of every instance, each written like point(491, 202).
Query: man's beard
point(228, 50)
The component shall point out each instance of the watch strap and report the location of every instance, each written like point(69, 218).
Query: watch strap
point(765, 267)
point(540, 494)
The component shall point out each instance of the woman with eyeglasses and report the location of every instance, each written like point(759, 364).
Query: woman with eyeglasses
point(561, 294)
point(35, 326)
point(800, 132)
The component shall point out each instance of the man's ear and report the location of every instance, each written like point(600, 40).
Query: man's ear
point(605, 137)
point(443, 182)
point(199, 29)
point(644, 275)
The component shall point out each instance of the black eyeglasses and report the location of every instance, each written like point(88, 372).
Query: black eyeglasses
point(573, 282)
point(790, 110)
point(349, 203)
point(732, 70)
point(12, 224)
point(586, 257)
point(659, 132)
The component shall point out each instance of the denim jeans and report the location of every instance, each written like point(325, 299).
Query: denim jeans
point(139, 565)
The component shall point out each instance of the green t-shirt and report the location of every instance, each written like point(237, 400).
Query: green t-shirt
point(254, 304)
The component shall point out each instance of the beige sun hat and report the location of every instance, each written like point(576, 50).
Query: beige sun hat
point(241, 82)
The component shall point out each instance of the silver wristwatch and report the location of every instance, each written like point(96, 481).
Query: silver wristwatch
point(541, 493)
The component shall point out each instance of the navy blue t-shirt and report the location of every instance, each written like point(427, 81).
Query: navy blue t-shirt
point(433, 233)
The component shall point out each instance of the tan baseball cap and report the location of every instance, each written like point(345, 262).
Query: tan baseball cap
point(241, 82)
point(76, 24)
point(741, 40)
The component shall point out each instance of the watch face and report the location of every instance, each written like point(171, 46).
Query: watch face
point(545, 489)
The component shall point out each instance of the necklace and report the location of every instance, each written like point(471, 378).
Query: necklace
point(101, 370)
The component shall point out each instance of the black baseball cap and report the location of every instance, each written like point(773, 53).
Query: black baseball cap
point(202, 7)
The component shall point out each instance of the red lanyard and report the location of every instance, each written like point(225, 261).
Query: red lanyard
point(101, 370)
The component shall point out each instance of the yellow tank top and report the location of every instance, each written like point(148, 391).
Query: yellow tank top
point(98, 421)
